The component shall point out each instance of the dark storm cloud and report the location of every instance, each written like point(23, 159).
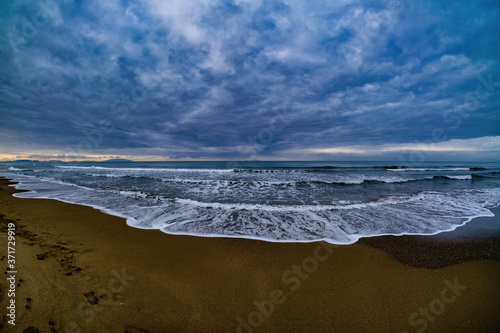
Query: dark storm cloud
point(235, 79)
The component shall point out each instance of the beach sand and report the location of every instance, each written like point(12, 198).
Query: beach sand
point(80, 270)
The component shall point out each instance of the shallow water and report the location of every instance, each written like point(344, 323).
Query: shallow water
point(274, 201)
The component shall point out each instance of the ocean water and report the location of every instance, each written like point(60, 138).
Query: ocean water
point(339, 202)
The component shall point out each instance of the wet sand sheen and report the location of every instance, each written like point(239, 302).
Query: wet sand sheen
point(99, 275)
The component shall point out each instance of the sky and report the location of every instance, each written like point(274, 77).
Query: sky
point(248, 80)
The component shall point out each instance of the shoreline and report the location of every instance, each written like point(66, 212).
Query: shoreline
point(461, 231)
point(149, 281)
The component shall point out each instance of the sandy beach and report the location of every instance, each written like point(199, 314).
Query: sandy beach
point(80, 270)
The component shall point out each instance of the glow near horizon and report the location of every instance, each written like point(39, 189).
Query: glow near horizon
point(486, 144)
point(237, 80)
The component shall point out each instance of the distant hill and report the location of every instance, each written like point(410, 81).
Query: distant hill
point(118, 160)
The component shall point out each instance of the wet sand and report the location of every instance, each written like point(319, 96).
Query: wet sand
point(80, 270)
point(479, 239)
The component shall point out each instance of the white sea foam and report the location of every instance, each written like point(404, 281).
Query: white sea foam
point(15, 169)
point(258, 178)
point(331, 179)
point(109, 175)
point(425, 213)
point(344, 221)
point(360, 179)
point(460, 177)
point(428, 169)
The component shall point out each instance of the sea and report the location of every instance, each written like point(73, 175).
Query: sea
point(339, 202)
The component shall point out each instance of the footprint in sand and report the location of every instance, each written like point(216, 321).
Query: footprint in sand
point(41, 256)
point(92, 298)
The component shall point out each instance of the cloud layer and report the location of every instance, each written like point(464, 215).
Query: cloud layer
point(246, 79)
